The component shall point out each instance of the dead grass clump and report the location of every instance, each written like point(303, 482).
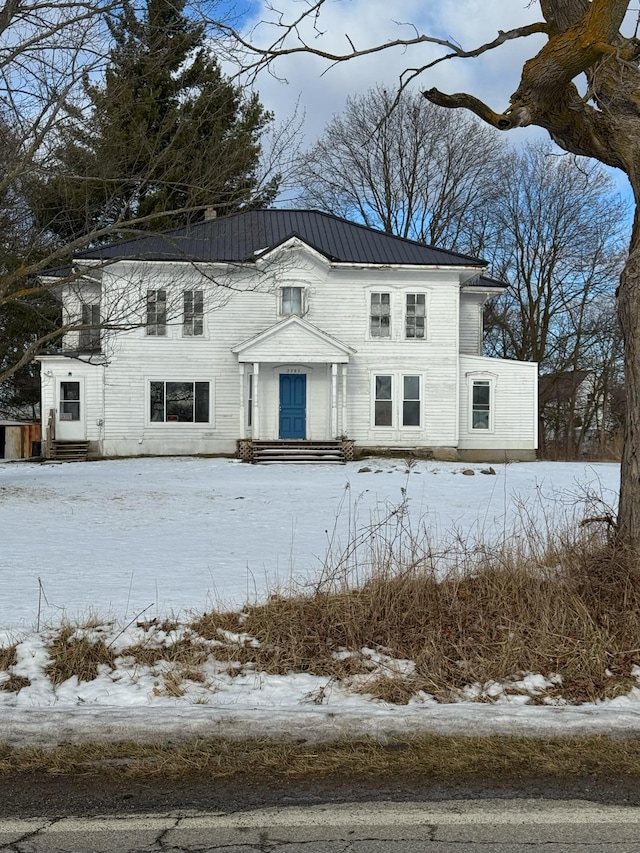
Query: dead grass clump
point(389, 688)
point(570, 610)
point(8, 658)
point(79, 657)
point(186, 651)
point(15, 683)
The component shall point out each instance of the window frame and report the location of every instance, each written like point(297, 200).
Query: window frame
point(173, 418)
point(281, 300)
point(406, 317)
point(376, 399)
point(90, 340)
point(371, 316)
point(484, 382)
point(193, 316)
point(404, 400)
point(156, 327)
point(398, 400)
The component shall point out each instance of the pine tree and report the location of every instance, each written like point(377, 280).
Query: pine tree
point(165, 134)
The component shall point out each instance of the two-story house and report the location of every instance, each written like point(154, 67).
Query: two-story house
point(283, 326)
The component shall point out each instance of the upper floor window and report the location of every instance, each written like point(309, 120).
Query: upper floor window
point(380, 315)
point(415, 315)
point(193, 322)
point(156, 312)
point(291, 301)
point(481, 404)
point(89, 338)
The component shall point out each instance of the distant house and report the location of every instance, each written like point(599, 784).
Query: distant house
point(284, 326)
point(572, 408)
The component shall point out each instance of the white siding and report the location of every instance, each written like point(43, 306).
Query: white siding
point(471, 305)
point(239, 305)
point(514, 415)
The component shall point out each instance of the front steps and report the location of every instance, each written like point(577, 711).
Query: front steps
point(69, 451)
point(314, 452)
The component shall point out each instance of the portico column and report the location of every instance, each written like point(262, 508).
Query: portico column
point(255, 420)
point(344, 400)
point(334, 401)
point(241, 397)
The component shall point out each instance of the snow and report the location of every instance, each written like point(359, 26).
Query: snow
point(168, 536)
point(115, 546)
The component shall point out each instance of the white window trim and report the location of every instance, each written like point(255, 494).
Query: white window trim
point(146, 325)
point(427, 315)
point(189, 425)
point(185, 336)
point(303, 300)
point(397, 400)
point(369, 294)
point(472, 378)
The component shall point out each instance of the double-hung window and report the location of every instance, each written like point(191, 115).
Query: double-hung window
point(415, 316)
point(411, 401)
point(380, 315)
point(291, 301)
point(481, 404)
point(180, 402)
point(383, 404)
point(397, 400)
point(193, 318)
point(157, 312)
point(89, 338)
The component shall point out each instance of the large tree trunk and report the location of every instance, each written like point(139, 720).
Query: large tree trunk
point(629, 315)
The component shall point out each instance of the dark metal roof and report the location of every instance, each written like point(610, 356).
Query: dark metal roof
point(244, 236)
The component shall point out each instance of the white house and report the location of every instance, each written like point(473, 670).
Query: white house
point(283, 326)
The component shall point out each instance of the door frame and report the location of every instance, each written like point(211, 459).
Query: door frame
point(293, 373)
point(70, 430)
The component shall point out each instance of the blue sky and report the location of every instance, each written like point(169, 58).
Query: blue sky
point(322, 91)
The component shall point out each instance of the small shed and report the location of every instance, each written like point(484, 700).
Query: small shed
point(19, 440)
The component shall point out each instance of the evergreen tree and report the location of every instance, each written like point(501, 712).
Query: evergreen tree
point(165, 131)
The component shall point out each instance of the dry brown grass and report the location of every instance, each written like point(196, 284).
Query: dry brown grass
point(427, 757)
point(572, 610)
point(186, 651)
point(76, 657)
point(15, 683)
point(7, 658)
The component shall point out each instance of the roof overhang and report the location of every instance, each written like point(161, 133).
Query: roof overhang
point(293, 339)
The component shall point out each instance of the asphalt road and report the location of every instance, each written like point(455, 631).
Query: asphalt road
point(379, 827)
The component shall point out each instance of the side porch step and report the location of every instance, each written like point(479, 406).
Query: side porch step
point(69, 451)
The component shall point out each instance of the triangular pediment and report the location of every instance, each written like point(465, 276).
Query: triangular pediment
point(293, 339)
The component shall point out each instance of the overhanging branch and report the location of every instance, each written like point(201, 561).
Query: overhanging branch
point(515, 117)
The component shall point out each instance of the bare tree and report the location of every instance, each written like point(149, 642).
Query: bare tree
point(404, 165)
point(51, 55)
point(584, 41)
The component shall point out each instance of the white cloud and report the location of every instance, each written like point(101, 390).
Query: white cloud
point(322, 89)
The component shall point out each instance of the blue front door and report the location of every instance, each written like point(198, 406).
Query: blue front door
point(293, 405)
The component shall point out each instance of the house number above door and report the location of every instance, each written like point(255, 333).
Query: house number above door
point(293, 370)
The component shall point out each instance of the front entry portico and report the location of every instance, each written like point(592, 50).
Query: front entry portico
point(293, 384)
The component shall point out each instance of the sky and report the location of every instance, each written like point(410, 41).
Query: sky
point(323, 90)
point(320, 91)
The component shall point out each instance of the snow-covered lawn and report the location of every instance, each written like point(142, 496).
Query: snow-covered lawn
point(183, 534)
point(131, 540)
